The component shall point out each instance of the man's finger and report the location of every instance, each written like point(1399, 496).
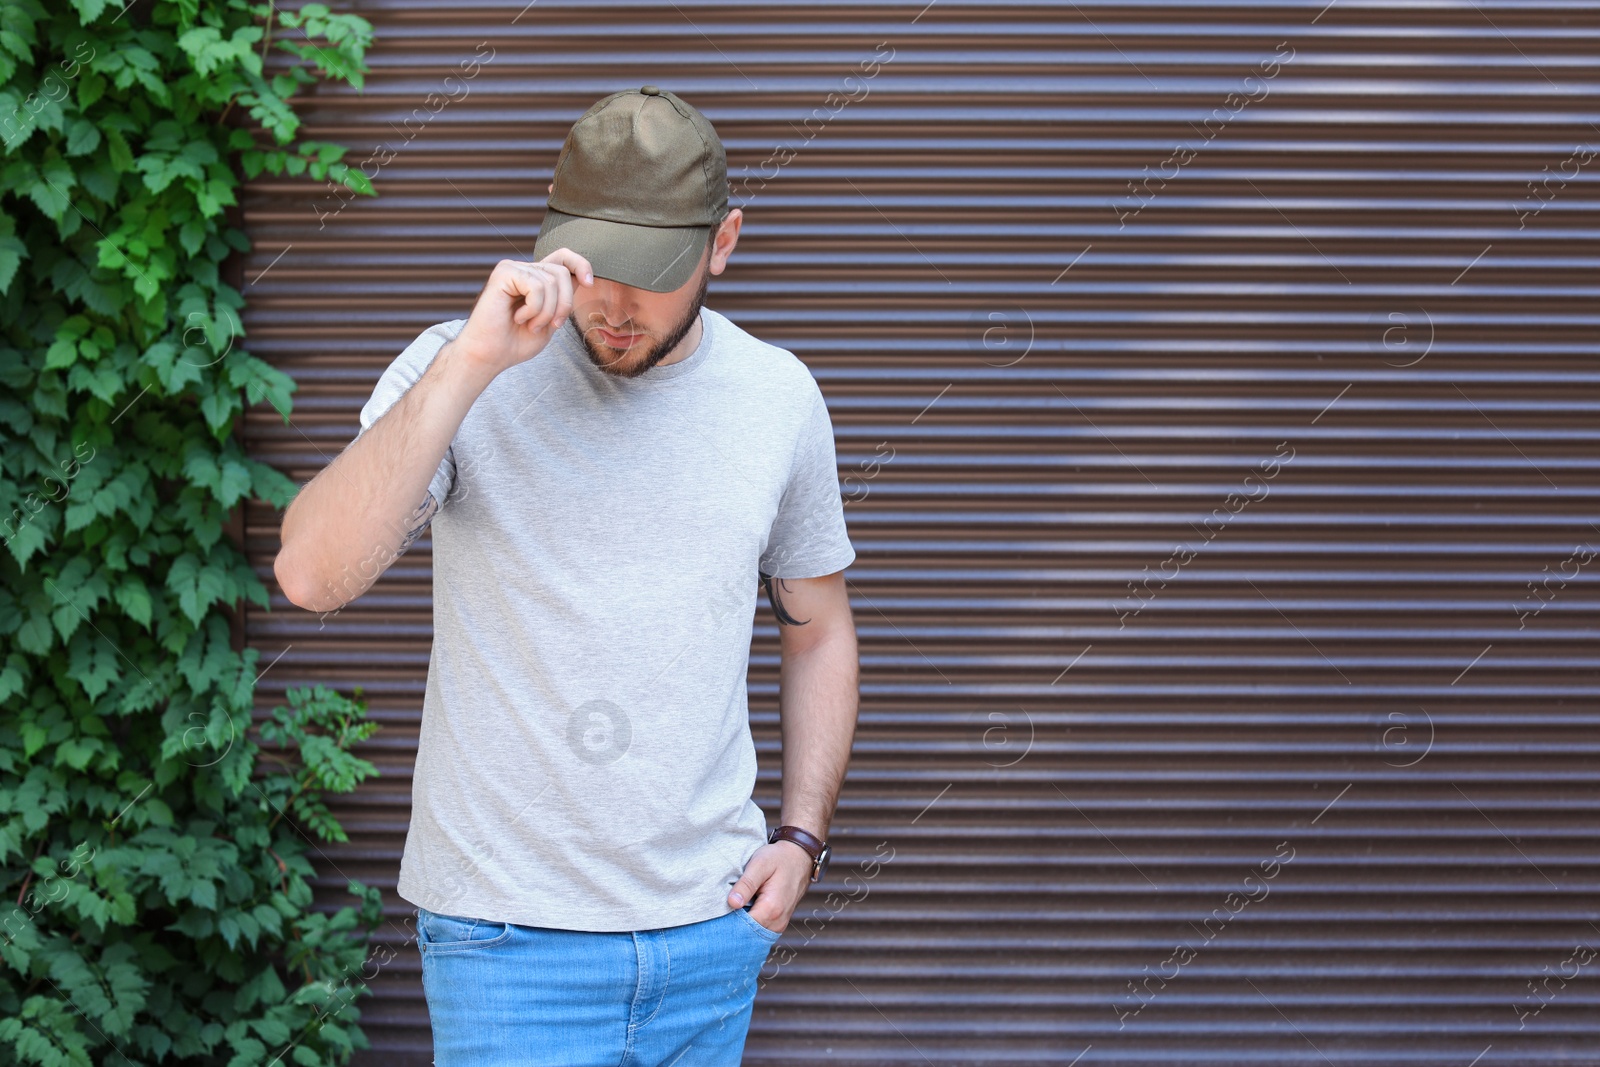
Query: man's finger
point(754, 877)
point(522, 280)
point(581, 268)
point(544, 291)
point(541, 297)
point(563, 294)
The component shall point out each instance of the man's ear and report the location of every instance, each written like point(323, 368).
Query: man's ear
point(736, 216)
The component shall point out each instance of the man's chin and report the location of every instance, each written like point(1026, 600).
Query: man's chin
point(620, 363)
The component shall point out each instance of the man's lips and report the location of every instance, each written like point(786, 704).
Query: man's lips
point(620, 340)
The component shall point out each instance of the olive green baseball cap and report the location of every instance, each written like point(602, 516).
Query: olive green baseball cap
point(640, 182)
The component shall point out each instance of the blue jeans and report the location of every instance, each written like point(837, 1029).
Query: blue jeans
point(501, 994)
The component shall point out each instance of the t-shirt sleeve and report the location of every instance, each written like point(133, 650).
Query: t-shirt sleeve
point(808, 537)
point(400, 376)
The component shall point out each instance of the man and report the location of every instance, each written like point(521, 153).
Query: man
point(610, 471)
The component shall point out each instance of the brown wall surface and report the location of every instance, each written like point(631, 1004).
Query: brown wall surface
point(1215, 391)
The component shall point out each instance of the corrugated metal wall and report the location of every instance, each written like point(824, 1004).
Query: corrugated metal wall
point(1215, 391)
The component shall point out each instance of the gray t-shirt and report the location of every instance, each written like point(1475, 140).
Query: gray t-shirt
point(585, 759)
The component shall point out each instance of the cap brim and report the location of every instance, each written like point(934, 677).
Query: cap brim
point(660, 259)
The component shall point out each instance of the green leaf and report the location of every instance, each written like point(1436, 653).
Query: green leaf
point(69, 343)
point(104, 381)
point(12, 252)
point(358, 181)
point(12, 681)
point(28, 539)
point(121, 155)
point(250, 1053)
point(218, 408)
point(52, 191)
point(133, 597)
point(89, 10)
point(173, 373)
point(64, 353)
point(94, 665)
point(206, 661)
point(13, 42)
point(235, 483)
point(77, 752)
point(76, 592)
point(197, 585)
point(36, 635)
point(261, 380)
point(83, 137)
point(272, 485)
point(91, 87)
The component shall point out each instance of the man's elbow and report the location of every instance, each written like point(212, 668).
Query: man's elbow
point(299, 583)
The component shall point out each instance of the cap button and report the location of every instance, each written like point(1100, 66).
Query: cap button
point(650, 90)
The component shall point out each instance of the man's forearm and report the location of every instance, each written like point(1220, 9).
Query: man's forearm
point(819, 696)
point(355, 517)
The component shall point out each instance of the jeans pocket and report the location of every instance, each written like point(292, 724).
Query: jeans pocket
point(770, 935)
point(449, 933)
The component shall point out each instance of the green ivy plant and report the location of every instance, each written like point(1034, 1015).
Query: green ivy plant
point(155, 857)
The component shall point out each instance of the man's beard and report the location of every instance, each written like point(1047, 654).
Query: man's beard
point(611, 363)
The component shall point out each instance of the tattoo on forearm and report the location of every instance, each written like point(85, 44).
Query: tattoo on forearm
point(419, 521)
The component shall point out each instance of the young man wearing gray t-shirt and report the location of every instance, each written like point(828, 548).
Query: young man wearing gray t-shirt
point(610, 470)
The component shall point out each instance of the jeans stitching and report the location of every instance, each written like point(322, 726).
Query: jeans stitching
point(662, 999)
point(458, 946)
point(638, 983)
point(774, 935)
